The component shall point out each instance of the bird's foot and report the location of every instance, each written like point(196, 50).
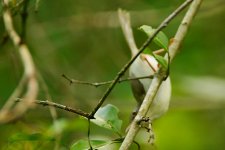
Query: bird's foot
point(151, 139)
point(146, 123)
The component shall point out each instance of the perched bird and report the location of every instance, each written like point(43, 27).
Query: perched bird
point(146, 65)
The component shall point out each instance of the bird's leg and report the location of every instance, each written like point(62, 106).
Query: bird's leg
point(151, 139)
point(146, 123)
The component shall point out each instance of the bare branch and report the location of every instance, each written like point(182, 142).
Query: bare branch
point(57, 105)
point(157, 80)
point(97, 84)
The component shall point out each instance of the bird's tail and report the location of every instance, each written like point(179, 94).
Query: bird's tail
point(124, 18)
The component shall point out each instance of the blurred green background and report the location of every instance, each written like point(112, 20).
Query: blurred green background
point(83, 40)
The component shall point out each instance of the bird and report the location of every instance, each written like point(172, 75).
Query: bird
point(146, 65)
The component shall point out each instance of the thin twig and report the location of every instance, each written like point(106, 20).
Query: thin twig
point(146, 43)
point(157, 80)
point(97, 84)
point(57, 105)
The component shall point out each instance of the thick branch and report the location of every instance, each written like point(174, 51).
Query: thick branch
point(156, 82)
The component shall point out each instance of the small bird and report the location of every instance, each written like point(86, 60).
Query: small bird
point(145, 65)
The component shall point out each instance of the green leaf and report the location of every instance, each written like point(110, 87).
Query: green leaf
point(30, 137)
point(107, 117)
point(161, 60)
point(147, 51)
point(84, 145)
point(160, 39)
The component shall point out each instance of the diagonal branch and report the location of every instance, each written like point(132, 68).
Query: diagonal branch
point(146, 43)
point(157, 80)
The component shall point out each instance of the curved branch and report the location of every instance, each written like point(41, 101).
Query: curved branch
point(157, 80)
point(7, 114)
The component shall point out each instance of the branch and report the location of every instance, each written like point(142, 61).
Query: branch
point(97, 84)
point(157, 80)
point(57, 105)
point(29, 77)
point(146, 43)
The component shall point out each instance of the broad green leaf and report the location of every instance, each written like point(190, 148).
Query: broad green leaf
point(107, 117)
point(30, 137)
point(84, 145)
point(160, 39)
point(161, 60)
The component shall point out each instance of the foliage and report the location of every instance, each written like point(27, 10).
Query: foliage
point(107, 117)
point(161, 40)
